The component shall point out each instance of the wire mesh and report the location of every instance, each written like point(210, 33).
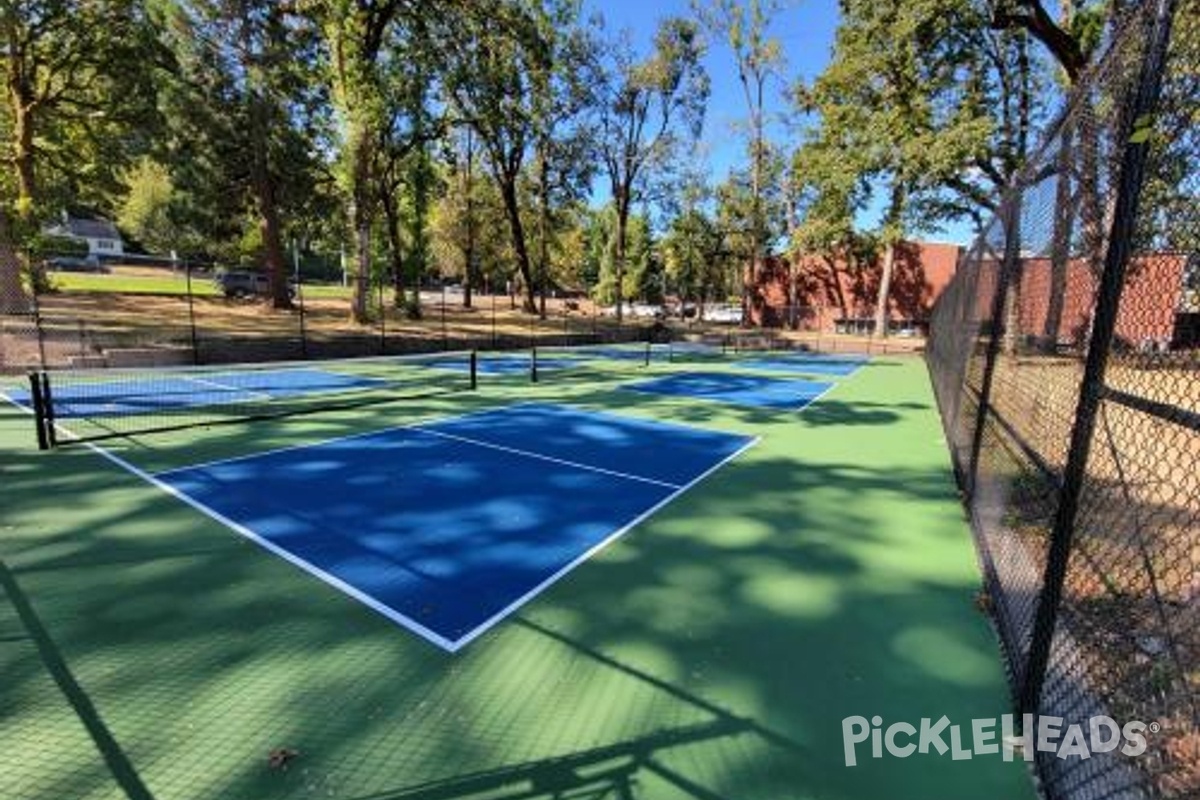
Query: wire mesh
point(1020, 361)
point(89, 405)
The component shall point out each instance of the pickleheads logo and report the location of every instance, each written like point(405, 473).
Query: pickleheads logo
point(987, 737)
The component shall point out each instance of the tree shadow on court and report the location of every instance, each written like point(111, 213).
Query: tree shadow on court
point(712, 652)
point(695, 654)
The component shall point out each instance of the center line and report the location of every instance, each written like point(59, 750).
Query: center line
point(552, 459)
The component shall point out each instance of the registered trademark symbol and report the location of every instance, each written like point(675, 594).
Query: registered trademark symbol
point(1155, 727)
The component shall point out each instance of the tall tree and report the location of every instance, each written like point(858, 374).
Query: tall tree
point(759, 57)
point(649, 108)
point(828, 189)
point(78, 108)
point(563, 92)
point(404, 171)
point(255, 44)
point(495, 60)
point(891, 93)
point(356, 36)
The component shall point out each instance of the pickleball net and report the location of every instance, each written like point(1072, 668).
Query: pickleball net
point(95, 404)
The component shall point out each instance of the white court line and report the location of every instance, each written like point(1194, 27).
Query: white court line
point(369, 601)
point(344, 438)
point(284, 553)
point(503, 613)
point(551, 459)
point(829, 388)
point(228, 388)
point(801, 406)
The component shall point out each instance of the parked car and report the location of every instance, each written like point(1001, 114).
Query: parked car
point(90, 263)
point(648, 311)
point(727, 314)
point(243, 283)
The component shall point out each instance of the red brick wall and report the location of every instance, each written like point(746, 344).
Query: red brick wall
point(1148, 304)
point(828, 289)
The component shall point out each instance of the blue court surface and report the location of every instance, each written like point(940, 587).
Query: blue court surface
point(172, 391)
point(808, 363)
point(742, 390)
point(447, 527)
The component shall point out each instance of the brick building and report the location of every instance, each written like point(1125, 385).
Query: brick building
point(820, 293)
point(1152, 303)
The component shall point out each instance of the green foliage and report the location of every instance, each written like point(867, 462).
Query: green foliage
point(694, 256)
point(246, 119)
point(642, 276)
point(470, 217)
point(80, 104)
point(146, 212)
point(45, 245)
point(922, 102)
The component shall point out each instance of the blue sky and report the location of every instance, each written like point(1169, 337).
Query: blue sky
point(805, 29)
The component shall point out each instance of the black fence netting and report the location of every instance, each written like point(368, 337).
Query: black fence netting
point(1065, 356)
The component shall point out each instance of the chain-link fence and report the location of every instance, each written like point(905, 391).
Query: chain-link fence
point(180, 313)
point(1065, 359)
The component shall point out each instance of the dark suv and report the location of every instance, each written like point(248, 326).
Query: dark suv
point(243, 283)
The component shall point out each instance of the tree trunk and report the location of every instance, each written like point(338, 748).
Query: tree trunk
point(362, 275)
point(268, 224)
point(391, 216)
point(508, 191)
point(885, 288)
point(360, 219)
point(21, 106)
point(835, 283)
point(543, 228)
point(1060, 244)
point(469, 192)
point(622, 233)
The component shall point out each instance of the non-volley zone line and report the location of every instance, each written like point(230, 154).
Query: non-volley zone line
point(738, 389)
point(447, 527)
point(806, 363)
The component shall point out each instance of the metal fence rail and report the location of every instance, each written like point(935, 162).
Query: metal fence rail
point(1066, 365)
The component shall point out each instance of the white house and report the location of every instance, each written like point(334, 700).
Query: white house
point(103, 239)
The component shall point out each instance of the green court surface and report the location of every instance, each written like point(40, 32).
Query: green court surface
point(712, 652)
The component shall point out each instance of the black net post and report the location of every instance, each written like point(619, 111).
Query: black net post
point(533, 365)
point(474, 370)
point(1108, 301)
point(48, 410)
point(39, 410)
point(649, 339)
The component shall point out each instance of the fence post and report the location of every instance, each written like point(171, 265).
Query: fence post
point(37, 315)
point(187, 270)
point(1008, 268)
point(1108, 303)
point(299, 297)
point(383, 318)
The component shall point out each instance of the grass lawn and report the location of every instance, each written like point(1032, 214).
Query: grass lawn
point(143, 281)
